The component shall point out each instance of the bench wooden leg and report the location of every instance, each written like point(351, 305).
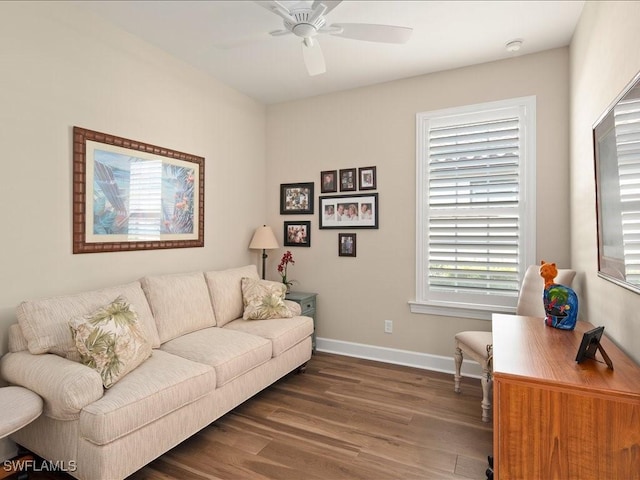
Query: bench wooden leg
point(487, 393)
point(457, 376)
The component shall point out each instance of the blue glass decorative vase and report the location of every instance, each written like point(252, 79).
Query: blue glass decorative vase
point(560, 306)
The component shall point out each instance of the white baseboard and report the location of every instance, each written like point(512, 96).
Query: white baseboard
point(408, 358)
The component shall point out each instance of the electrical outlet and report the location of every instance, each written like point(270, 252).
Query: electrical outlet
point(388, 326)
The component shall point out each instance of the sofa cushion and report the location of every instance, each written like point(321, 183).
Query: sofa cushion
point(230, 352)
point(283, 333)
point(45, 322)
point(226, 291)
point(180, 303)
point(110, 340)
point(161, 385)
point(264, 299)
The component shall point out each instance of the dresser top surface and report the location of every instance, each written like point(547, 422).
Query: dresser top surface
point(526, 347)
point(299, 295)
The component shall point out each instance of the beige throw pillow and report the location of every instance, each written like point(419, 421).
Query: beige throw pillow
point(264, 299)
point(110, 340)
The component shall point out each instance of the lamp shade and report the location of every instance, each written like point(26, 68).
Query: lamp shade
point(263, 239)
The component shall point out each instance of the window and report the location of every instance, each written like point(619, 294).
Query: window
point(475, 207)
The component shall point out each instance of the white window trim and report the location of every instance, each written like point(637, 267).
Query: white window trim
point(528, 201)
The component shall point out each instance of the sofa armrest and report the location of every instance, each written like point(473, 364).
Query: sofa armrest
point(293, 307)
point(65, 386)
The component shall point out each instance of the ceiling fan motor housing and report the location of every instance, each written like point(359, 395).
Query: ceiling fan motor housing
point(305, 24)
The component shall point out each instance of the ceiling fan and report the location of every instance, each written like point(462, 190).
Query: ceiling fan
point(307, 20)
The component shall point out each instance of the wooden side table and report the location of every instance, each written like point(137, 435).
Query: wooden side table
point(20, 407)
point(307, 302)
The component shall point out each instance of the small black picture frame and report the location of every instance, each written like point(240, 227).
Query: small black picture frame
point(297, 234)
point(296, 198)
point(346, 244)
point(590, 344)
point(367, 178)
point(328, 181)
point(348, 180)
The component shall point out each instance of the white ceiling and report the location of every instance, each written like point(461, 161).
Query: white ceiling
point(230, 40)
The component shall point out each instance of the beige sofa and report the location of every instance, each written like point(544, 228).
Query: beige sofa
point(205, 361)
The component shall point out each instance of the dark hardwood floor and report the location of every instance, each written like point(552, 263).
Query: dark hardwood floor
point(345, 418)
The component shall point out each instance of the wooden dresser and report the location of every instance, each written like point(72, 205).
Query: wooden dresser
point(554, 418)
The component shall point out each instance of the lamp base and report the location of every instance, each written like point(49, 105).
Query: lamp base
point(264, 259)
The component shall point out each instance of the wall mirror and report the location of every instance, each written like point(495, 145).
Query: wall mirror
point(616, 145)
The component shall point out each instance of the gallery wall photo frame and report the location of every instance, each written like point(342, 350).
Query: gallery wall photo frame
point(130, 195)
point(349, 211)
point(296, 198)
point(346, 244)
point(367, 178)
point(329, 181)
point(297, 234)
point(348, 180)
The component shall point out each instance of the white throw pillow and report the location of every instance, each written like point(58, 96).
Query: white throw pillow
point(110, 340)
point(264, 299)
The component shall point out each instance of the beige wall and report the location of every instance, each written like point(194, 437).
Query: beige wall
point(604, 58)
point(376, 126)
point(60, 68)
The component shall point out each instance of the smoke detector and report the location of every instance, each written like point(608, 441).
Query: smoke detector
point(514, 46)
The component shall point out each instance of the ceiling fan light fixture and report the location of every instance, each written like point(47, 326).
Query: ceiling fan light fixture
point(304, 30)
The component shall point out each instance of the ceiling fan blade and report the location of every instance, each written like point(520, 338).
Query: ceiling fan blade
point(373, 33)
point(276, 7)
point(313, 57)
point(279, 33)
point(330, 4)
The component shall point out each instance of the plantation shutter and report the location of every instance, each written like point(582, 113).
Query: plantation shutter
point(473, 202)
point(475, 207)
point(627, 128)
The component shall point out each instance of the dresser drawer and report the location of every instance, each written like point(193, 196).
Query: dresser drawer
point(308, 304)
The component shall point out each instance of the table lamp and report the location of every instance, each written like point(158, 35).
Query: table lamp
point(263, 239)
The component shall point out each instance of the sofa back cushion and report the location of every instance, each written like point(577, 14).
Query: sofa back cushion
point(225, 287)
point(180, 303)
point(45, 322)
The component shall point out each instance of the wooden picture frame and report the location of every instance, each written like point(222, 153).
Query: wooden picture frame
point(346, 244)
point(297, 234)
point(367, 178)
point(348, 180)
point(349, 211)
point(130, 195)
point(296, 198)
point(329, 181)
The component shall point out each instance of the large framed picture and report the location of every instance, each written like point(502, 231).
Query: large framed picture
point(349, 211)
point(297, 234)
point(296, 198)
point(129, 195)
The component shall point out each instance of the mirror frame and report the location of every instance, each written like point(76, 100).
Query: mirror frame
point(611, 262)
